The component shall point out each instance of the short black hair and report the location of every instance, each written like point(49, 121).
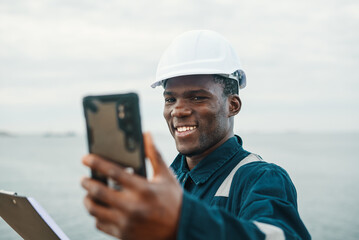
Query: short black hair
point(230, 86)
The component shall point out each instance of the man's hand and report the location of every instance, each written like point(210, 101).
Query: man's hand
point(143, 209)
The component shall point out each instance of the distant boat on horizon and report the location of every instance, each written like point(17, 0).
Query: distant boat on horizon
point(65, 134)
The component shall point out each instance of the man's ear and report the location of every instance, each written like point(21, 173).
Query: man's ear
point(235, 105)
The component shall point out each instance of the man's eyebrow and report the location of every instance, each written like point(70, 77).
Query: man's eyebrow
point(167, 93)
point(200, 91)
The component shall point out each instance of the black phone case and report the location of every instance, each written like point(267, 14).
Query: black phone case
point(114, 130)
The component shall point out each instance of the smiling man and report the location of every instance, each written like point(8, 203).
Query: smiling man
point(222, 191)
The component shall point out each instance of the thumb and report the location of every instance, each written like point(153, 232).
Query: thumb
point(159, 166)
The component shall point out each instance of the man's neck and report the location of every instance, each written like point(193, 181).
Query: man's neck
point(192, 161)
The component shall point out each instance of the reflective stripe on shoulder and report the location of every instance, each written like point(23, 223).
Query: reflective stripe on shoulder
point(223, 190)
point(271, 232)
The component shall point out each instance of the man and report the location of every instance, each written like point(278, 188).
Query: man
point(223, 191)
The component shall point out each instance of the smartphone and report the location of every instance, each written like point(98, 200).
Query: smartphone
point(114, 132)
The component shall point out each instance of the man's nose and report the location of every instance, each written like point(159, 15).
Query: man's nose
point(181, 109)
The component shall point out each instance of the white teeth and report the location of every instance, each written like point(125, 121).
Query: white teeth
point(183, 129)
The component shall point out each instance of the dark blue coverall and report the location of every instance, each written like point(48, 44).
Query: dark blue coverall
point(233, 194)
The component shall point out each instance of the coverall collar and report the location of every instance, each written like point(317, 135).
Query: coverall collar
point(211, 163)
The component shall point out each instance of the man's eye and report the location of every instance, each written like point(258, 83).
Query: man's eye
point(170, 100)
point(198, 98)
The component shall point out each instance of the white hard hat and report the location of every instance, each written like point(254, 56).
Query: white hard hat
point(199, 52)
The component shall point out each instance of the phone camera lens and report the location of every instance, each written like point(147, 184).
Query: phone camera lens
point(131, 143)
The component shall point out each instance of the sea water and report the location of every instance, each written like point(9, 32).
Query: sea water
point(324, 168)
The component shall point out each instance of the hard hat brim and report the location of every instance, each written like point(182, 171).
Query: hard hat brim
point(242, 81)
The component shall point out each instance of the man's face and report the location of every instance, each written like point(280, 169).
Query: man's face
point(196, 113)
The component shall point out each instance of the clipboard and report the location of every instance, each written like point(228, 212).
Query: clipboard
point(26, 216)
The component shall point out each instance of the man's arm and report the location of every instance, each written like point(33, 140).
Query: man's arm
point(264, 207)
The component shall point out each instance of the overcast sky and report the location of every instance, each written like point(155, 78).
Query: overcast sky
point(301, 59)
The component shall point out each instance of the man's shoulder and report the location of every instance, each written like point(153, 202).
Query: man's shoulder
point(257, 169)
point(261, 173)
point(247, 171)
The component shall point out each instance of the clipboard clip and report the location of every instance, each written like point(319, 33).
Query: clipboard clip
point(8, 192)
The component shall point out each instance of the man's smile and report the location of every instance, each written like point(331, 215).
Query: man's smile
point(185, 130)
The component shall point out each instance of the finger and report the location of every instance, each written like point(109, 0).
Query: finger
point(100, 192)
point(109, 228)
point(159, 166)
point(101, 212)
point(113, 170)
